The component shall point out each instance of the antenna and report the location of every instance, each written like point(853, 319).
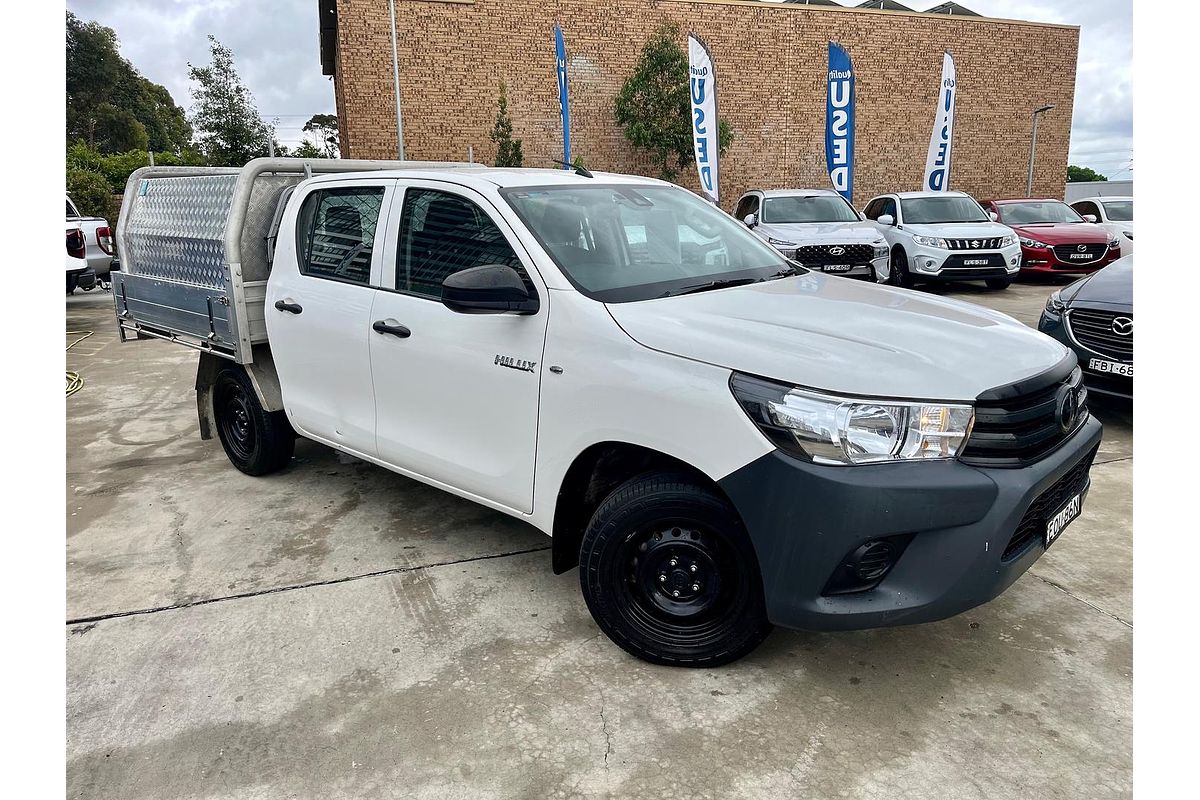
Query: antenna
point(579, 168)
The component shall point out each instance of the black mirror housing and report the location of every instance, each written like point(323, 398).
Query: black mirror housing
point(490, 289)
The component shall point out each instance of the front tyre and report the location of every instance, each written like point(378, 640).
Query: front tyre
point(256, 441)
point(998, 283)
point(900, 275)
point(669, 574)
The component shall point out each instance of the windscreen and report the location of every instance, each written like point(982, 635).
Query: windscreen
point(1119, 210)
point(1050, 211)
point(816, 208)
point(934, 210)
point(620, 243)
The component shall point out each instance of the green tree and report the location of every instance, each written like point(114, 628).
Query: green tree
point(508, 150)
point(309, 150)
point(106, 96)
point(654, 107)
point(325, 128)
point(91, 192)
point(229, 130)
point(1083, 174)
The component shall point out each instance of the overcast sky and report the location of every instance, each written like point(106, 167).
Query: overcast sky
point(275, 50)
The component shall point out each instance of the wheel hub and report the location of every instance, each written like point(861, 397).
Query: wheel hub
point(676, 572)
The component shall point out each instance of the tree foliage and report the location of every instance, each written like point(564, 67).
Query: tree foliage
point(110, 105)
point(1083, 174)
point(654, 107)
point(115, 168)
point(509, 151)
point(325, 128)
point(91, 193)
point(229, 130)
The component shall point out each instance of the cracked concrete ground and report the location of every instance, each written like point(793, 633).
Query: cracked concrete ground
point(337, 631)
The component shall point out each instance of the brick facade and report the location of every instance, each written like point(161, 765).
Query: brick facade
point(771, 65)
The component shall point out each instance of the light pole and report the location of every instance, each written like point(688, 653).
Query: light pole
point(1033, 149)
point(396, 80)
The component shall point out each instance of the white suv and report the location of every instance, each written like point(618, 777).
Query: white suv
point(817, 228)
point(1114, 214)
point(944, 236)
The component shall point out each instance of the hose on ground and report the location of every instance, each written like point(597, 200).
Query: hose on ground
point(74, 379)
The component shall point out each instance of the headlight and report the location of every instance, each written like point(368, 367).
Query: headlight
point(931, 241)
point(1008, 241)
point(827, 429)
point(1114, 243)
point(1055, 304)
point(779, 242)
point(1025, 240)
point(881, 250)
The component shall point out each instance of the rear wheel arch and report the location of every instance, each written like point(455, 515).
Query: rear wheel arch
point(594, 474)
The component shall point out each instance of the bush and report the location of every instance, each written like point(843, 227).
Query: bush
point(508, 149)
point(91, 192)
point(117, 168)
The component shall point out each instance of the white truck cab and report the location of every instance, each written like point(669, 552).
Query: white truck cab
point(817, 228)
point(944, 236)
point(628, 369)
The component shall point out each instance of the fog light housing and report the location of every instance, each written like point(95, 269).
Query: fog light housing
point(864, 567)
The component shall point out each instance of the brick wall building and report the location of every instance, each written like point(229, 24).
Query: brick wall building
point(771, 63)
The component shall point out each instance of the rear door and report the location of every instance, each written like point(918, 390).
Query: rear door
point(318, 310)
point(458, 393)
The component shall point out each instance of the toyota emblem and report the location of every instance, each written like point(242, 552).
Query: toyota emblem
point(1066, 408)
point(1081, 248)
point(1122, 326)
point(836, 250)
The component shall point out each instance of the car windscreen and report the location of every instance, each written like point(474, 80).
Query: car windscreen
point(624, 242)
point(794, 209)
point(1049, 211)
point(1119, 210)
point(934, 210)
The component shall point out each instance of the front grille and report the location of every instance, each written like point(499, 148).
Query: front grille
point(1095, 331)
point(975, 244)
point(1073, 254)
point(1033, 524)
point(818, 255)
point(1018, 425)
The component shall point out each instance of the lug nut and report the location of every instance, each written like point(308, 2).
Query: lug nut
point(694, 568)
point(662, 577)
point(674, 562)
point(675, 593)
point(695, 587)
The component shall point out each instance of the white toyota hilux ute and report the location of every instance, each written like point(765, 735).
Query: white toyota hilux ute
point(817, 228)
point(719, 439)
point(944, 236)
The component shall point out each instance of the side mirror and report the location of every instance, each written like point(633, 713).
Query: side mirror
point(490, 289)
point(751, 220)
point(886, 219)
point(995, 217)
point(1090, 217)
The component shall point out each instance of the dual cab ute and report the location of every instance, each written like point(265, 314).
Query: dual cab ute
point(720, 439)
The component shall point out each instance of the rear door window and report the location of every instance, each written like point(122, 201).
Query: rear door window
point(337, 232)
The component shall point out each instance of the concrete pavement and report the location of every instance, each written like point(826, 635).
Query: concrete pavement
point(337, 631)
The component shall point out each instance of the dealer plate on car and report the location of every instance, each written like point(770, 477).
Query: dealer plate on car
point(975, 262)
point(1111, 367)
point(837, 267)
point(1060, 519)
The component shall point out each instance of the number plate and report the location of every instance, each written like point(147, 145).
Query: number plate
point(975, 262)
point(837, 267)
point(1111, 367)
point(1059, 521)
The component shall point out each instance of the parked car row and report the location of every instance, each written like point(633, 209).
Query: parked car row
point(905, 238)
point(90, 249)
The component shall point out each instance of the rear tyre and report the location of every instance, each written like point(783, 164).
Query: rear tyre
point(72, 283)
point(998, 283)
point(256, 441)
point(900, 275)
point(669, 574)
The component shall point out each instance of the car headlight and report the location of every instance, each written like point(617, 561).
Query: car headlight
point(1055, 304)
point(1008, 241)
point(779, 242)
point(1026, 241)
point(881, 250)
point(931, 241)
point(1115, 242)
point(827, 429)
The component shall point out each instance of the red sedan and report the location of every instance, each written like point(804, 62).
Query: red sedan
point(1054, 238)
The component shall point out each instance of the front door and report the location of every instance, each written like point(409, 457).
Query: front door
point(457, 394)
point(318, 311)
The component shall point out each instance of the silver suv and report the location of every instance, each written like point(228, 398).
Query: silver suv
point(817, 228)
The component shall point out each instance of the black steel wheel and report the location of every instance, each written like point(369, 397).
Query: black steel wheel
point(256, 441)
point(669, 574)
point(900, 275)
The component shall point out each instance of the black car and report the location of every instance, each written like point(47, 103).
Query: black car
point(1094, 317)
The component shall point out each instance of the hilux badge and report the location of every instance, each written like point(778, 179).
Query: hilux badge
point(515, 363)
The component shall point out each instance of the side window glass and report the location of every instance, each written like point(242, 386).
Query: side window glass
point(338, 230)
point(443, 233)
point(888, 206)
point(872, 211)
point(743, 208)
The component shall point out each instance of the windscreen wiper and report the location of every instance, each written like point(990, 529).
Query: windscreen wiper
point(704, 287)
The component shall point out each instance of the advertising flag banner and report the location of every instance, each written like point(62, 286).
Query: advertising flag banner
point(839, 121)
point(705, 130)
point(564, 102)
point(937, 163)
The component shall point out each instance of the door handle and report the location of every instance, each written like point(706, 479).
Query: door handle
point(392, 327)
point(291, 308)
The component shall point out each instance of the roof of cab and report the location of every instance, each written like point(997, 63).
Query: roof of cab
point(795, 192)
point(503, 177)
point(1102, 198)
